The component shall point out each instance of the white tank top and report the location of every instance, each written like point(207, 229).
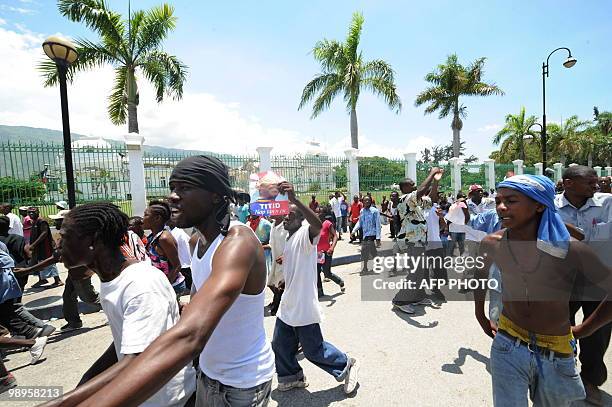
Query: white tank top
point(237, 353)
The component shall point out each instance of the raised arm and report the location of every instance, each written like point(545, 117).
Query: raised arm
point(427, 183)
point(177, 347)
point(311, 217)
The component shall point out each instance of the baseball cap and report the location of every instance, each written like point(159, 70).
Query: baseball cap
point(475, 187)
point(59, 215)
point(62, 204)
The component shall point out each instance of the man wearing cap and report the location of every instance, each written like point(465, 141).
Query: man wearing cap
point(16, 228)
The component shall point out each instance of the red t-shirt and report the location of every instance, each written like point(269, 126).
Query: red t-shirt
point(354, 212)
point(323, 244)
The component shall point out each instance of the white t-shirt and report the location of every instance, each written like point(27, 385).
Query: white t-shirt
point(15, 227)
point(335, 204)
point(182, 246)
point(300, 303)
point(433, 229)
point(140, 305)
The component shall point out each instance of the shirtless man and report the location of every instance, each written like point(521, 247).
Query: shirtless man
point(533, 346)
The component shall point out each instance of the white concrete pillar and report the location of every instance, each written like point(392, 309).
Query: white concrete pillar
point(265, 161)
point(138, 189)
point(539, 169)
point(490, 173)
point(411, 170)
point(609, 171)
point(598, 170)
point(518, 167)
point(352, 172)
point(455, 164)
point(558, 171)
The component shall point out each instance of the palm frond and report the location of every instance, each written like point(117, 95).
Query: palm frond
point(384, 89)
point(330, 54)
point(96, 15)
point(378, 69)
point(327, 95)
point(117, 101)
point(354, 35)
point(316, 85)
point(167, 73)
point(156, 24)
point(484, 89)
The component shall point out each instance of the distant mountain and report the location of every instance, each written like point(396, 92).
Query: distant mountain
point(24, 134)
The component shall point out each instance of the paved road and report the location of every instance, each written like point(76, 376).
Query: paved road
point(439, 357)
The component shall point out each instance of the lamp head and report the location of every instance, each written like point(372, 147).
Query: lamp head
point(60, 50)
point(569, 62)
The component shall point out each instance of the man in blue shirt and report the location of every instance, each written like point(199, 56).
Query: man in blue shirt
point(369, 223)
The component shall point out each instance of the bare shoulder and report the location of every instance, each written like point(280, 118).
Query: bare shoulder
point(241, 235)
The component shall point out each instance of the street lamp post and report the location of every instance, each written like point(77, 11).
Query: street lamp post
point(569, 62)
point(63, 53)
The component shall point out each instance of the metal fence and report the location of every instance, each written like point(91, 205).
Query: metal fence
point(317, 175)
point(159, 166)
point(33, 174)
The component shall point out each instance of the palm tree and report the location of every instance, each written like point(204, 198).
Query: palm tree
point(130, 46)
point(589, 140)
point(517, 126)
point(563, 138)
point(450, 81)
point(344, 71)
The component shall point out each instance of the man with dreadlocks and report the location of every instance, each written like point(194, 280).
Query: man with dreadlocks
point(224, 322)
point(137, 298)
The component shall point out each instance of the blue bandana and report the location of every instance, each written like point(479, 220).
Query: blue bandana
point(553, 237)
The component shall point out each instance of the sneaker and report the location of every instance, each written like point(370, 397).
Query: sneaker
point(37, 349)
point(71, 326)
point(298, 384)
point(350, 382)
point(424, 301)
point(7, 382)
point(406, 309)
point(45, 331)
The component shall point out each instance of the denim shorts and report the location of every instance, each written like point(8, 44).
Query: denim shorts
point(515, 374)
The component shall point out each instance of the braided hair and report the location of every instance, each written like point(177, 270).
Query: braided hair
point(160, 208)
point(102, 220)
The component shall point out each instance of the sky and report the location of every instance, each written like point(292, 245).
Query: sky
point(249, 61)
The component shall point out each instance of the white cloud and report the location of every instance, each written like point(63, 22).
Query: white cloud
point(200, 121)
point(2, 21)
point(489, 127)
point(19, 10)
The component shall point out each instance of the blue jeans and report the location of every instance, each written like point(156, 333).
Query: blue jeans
point(213, 393)
point(323, 354)
point(514, 372)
